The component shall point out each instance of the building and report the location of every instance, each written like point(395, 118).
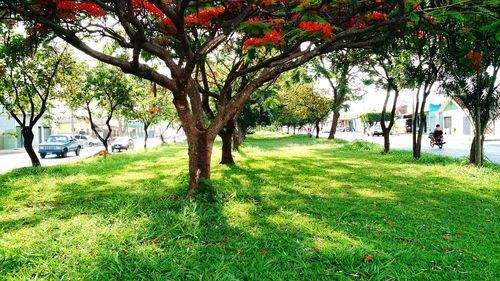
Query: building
point(455, 121)
point(10, 133)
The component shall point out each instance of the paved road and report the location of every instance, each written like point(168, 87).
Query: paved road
point(455, 146)
point(21, 159)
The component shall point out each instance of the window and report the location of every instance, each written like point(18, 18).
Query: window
point(447, 122)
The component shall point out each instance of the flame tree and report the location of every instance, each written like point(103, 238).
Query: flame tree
point(265, 38)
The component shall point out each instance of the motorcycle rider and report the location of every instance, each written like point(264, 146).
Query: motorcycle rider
point(437, 134)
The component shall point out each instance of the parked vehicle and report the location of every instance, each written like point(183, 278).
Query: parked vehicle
point(375, 131)
point(93, 141)
point(439, 141)
point(60, 145)
point(83, 140)
point(122, 143)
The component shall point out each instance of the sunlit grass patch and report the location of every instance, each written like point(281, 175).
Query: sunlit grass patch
point(292, 208)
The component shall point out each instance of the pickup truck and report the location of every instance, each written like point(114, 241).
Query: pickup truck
point(60, 145)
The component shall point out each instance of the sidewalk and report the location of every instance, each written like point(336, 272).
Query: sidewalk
point(11, 151)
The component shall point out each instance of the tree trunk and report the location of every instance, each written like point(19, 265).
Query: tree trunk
point(415, 147)
point(478, 145)
point(200, 154)
point(387, 143)
point(237, 136)
point(421, 123)
point(28, 145)
point(226, 136)
point(473, 150)
point(333, 129)
point(386, 129)
point(146, 135)
point(317, 129)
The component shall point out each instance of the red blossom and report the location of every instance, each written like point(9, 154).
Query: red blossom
point(377, 16)
point(204, 17)
point(275, 37)
point(263, 252)
point(68, 9)
point(368, 259)
point(352, 22)
point(420, 34)
point(251, 42)
point(314, 27)
point(153, 110)
point(475, 58)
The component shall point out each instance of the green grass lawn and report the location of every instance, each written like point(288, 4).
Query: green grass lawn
point(293, 208)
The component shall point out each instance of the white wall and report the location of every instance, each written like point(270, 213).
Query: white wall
point(457, 121)
point(8, 124)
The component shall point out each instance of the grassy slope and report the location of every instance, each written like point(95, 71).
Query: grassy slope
point(317, 208)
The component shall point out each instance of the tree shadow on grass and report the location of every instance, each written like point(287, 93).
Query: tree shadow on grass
point(141, 227)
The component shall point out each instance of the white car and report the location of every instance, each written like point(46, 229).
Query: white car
point(122, 143)
point(375, 131)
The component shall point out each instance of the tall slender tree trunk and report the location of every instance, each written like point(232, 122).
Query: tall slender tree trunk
point(386, 129)
point(200, 154)
point(387, 142)
point(237, 136)
point(417, 152)
point(421, 126)
point(226, 135)
point(146, 135)
point(333, 129)
point(415, 121)
point(473, 149)
point(317, 129)
point(477, 145)
point(28, 136)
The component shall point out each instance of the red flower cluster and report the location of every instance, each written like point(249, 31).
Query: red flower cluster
point(153, 110)
point(204, 17)
point(377, 16)
point(314, 27)
point(352, 22)
point(67, 8)
point(251, 42)
point(169, 25)
point(165, 21)
point(34, 29)
point(151, 8)
point(272, 38)
point(420, 34)
point(475, 58)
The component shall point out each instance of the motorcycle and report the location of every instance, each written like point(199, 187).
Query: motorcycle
point(439, 142)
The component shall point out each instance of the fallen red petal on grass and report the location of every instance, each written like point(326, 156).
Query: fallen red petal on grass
point(239, 251)
point(315, 248)
point(368, 258)
point(482, 231)
point(446, 237)
point(154, 241)
point(263, 252)
point(390, 222)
